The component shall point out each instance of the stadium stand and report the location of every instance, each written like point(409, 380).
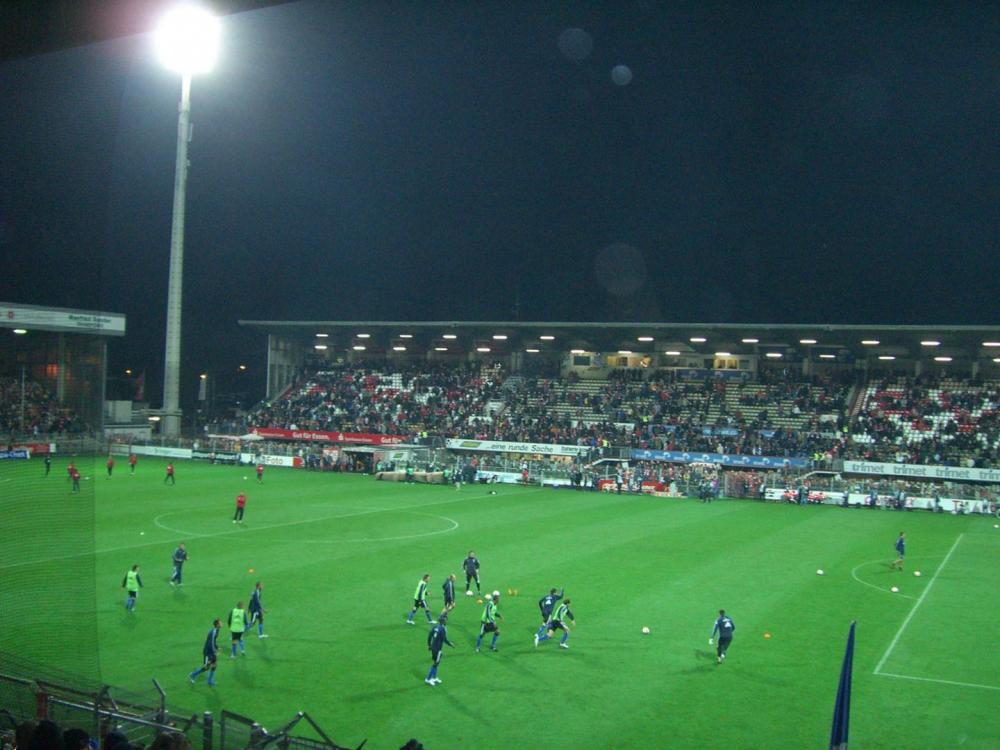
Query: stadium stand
point(43, 415)
point(930, 421)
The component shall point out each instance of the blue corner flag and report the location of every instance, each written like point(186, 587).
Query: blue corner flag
point(842, 709)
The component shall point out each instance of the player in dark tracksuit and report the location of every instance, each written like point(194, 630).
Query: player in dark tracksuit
point(436, 639)
point(471, 567)
point(180, 557)
point(210, 654)
point(449, 593)
point(724, 628)
point(900, 552)
point(256, 609)
point(546, 604)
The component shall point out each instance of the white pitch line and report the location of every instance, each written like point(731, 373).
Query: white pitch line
point(932, 679)
point(236, 531)
point(930, 584)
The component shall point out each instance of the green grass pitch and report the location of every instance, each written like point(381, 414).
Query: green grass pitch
point(339, 557)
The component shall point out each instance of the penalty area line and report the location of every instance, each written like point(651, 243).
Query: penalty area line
point(933, 679)
point(902, 628)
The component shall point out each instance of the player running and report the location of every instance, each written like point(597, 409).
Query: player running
point(546, 604)
point(471, 567)
point(561, 616)
point(489, 621)
point(419, 600)
point(210, 655)
point(257, 610)
point(131, 583)
point(449, 593)
point(436, 639)
point(724, 628)
point(900, 553)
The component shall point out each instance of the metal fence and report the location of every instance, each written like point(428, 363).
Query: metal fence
point(99, 710)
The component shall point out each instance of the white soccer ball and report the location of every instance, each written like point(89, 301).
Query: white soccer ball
point(895, 590)
point(645, 631)
point(916, 573)
point(142, 533)
point(245, 478)
point(819, 572)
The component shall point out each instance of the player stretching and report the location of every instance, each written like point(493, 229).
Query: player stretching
point(471, 566)
point(489, 621)
point(238, 625)
point(724, 628)
point(560, 617)
point(900, 553)
point(419, 600)
point(257, 610)
point(546, 604)
point(436, 639)
point(131, 583)
point(210, 655)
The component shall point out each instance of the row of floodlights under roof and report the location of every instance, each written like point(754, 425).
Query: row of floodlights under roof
point(648, 339)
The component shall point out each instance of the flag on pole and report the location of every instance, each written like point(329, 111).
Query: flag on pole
point(842, 709)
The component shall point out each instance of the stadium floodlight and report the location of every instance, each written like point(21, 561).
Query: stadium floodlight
point(364, 335)
point(991, 344)
point(672, 353)
point(870, 342)
point(440, 348)
point(576, 351)
point(942, 359)
point(399, 348)
point(322, 335)
point(624, 351)
point(698, 339)
point(827, 356)
point(808, 342)
point(406, 335)
point(20, 331)
point(723, 354)
point(546, 338)
point(773, 355)
point(187, 42)
point(930, 343)
point(320, 347)
point(996, 359)
point(886, 357)
point(358, 347)
point(482, 349)
point(450, 336)
point(751, 341)
point(645, 339)
point(532, 351)
point(499, 337)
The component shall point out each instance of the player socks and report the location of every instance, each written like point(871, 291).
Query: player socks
point(493, 645)
point(211, 678)
point(433, 673)
point(234, 650)
point(409, 617)
point(565, 637)
point(260, 628)
point(479, 641)
point(196, 673)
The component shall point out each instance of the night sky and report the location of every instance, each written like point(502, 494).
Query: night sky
point(753, 162)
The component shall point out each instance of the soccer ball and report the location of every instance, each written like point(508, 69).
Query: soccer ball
point(819, 572)
point(895, 590)
point(245, 478)
point(645, 631)
point(916, 573)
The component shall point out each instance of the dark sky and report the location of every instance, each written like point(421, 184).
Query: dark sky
point(794, 162)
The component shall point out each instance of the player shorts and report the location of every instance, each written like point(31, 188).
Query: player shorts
point(210, 660)
point(436, 657)
point(237, 636)
point(489, 627)
point(556, 625)
point(132, 594)
point(449, 601)
point(256, 616)
point(418, 603)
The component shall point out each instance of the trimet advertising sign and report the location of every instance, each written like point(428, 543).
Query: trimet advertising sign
point(59, 319)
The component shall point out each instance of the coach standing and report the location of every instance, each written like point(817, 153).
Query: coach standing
point(180, 557)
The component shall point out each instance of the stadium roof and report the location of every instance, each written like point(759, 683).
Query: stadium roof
point(860, 341)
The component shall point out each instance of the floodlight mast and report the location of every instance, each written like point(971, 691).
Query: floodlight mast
point(187, 41)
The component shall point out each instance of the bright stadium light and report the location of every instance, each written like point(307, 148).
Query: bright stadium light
point(450, 336)
point(20, 331)
point(870, 342)
point(991, 344)
point(546, 338)
point(942, 359)
point(320, 347)
point(358, 348)
point(672, 353)
point(364, 335)
point(532, 351)
point(482, 349)
point(827, 356)
point(807, 341)
point(576, 351)
point(322, 335)
point(886, 357)
point(499, 337)
point(773, 355)
point(930, 343)
point(645, 339)
point(723, 354)
point(406, 335)
point(751, 341)
point(698, 339)
point(187, 42)
point(624, 351)
point(399, 348)
point(440, 348)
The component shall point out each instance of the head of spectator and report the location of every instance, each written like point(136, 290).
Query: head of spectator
point(113, 738)
point(75, 739)
point(22, 735)
point(47, 736)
